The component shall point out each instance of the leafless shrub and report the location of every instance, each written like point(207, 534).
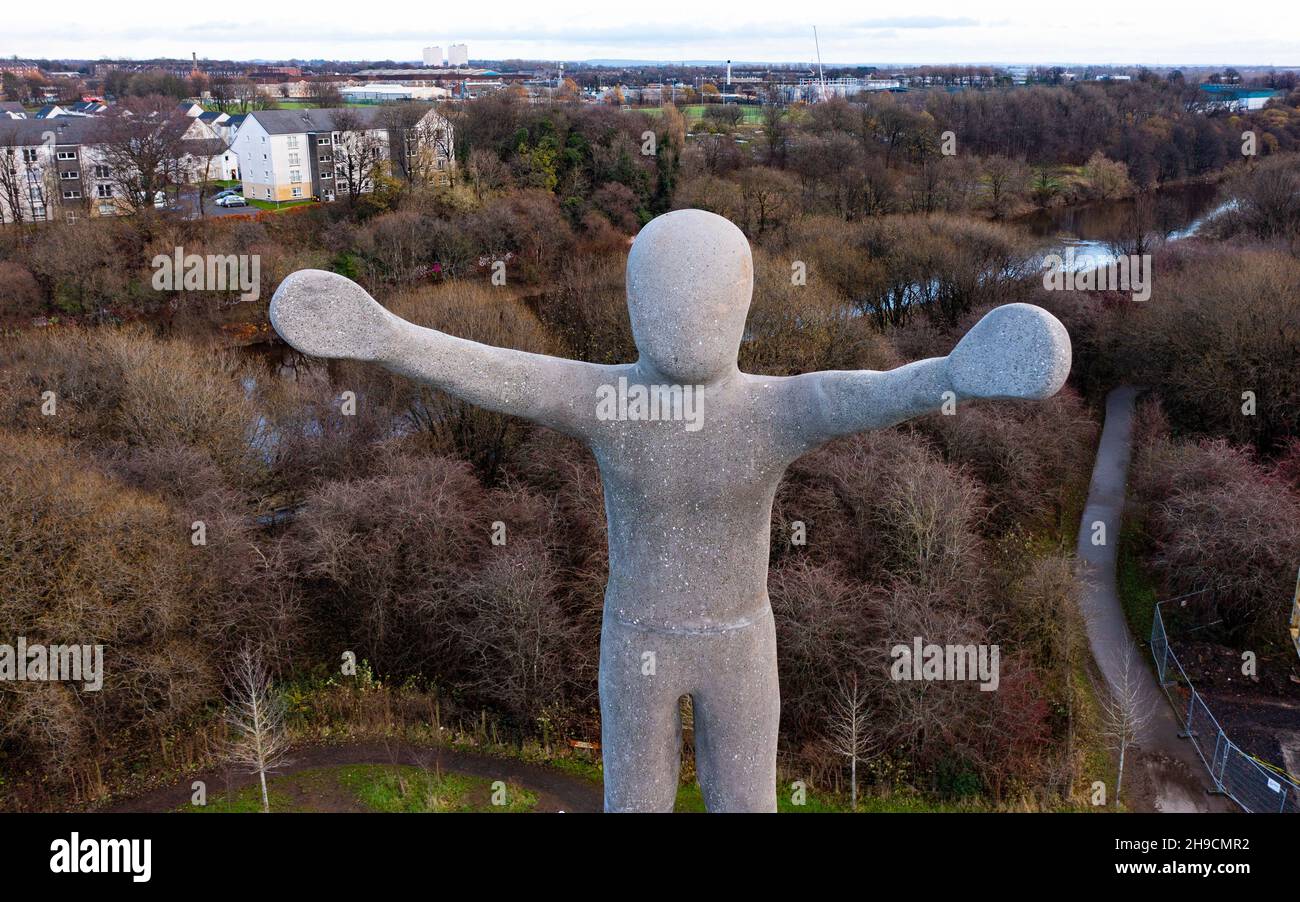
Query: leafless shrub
point(89, 561)
point(851, 731)
point(1222, 520)
point(1125, 715)
point(255, 714)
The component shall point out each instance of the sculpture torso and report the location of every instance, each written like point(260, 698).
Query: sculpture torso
point(689, 511)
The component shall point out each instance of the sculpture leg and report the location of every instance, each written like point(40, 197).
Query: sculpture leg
point(737, 709)
point(641, 680)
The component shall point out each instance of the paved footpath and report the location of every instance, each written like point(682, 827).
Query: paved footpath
point(1167, 766)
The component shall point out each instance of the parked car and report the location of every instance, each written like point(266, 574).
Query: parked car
point(231, 200)
point(227, 192)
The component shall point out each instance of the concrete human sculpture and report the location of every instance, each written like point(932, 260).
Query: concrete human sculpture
point(690, 451)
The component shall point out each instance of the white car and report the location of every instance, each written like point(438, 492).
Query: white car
point(231, 200)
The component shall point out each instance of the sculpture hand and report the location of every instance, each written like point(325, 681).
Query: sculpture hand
point(327, 315)
point(1015, 351)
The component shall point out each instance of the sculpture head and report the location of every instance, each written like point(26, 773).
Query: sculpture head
point(689, 280)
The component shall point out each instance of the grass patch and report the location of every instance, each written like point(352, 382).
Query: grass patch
point(1137, 586)
point(373, 787)
point(750, 114)
point(273, 207)
point(585, 768)
point(413, 790)
point(691, 800)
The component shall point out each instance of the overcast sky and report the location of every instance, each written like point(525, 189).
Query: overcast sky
point(1160, 32)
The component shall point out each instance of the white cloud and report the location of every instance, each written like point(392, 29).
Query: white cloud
point(929, 31)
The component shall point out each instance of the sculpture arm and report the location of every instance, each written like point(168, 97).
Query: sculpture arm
point(327, 315)
point(1016, 351)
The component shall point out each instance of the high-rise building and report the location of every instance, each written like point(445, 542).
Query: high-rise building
point(433, 56)
point(458, 55)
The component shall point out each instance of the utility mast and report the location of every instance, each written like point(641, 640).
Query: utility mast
point(821, 73)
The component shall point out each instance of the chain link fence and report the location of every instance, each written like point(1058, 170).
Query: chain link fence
point(1237, 775)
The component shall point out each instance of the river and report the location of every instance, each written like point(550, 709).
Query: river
point(1178, 213)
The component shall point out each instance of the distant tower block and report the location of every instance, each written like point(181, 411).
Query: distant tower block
point(433, 56)
point(458, 55)
point(728, 74)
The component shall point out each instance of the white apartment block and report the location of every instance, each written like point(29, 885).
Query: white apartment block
point(56, 170)
point(433, 56)
point(458, 56)
point(287, 155)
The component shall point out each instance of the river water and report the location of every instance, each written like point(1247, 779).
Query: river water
point(1178, 212)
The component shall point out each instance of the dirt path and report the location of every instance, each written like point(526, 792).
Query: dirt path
point(1168, 774)
point(556, 791)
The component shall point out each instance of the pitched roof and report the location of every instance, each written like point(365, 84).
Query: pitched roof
point(206, 147)
point(295, 122)
point(11, 106)
point(31, 132)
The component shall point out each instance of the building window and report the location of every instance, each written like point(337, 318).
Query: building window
point(69, 175)
point(297, 192)
point(101, 172)
point(294, 160)
point(106, 210)
point(29, 154)
point(104, 191)
point(326, 158)
point(326, 176)
point(71, 216)
point(292, 142)
point(67, 155)
point(71, 195)
point(295, 175)
point(323, 141)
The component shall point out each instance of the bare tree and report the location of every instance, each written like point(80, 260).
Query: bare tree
point(142, 142)
point(1125, 714)
point(255, 714)
point(850, 734)
point(358, 152)
point(13, 180)
point(413, 141)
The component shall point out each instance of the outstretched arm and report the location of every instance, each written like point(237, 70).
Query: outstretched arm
point(327, 315)
point(1016, 351)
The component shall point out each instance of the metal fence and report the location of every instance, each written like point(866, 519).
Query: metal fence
point(1239, 776)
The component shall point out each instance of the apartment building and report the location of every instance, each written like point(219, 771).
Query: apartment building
point(287, 155)
point(55, 169)
point(48, 170)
